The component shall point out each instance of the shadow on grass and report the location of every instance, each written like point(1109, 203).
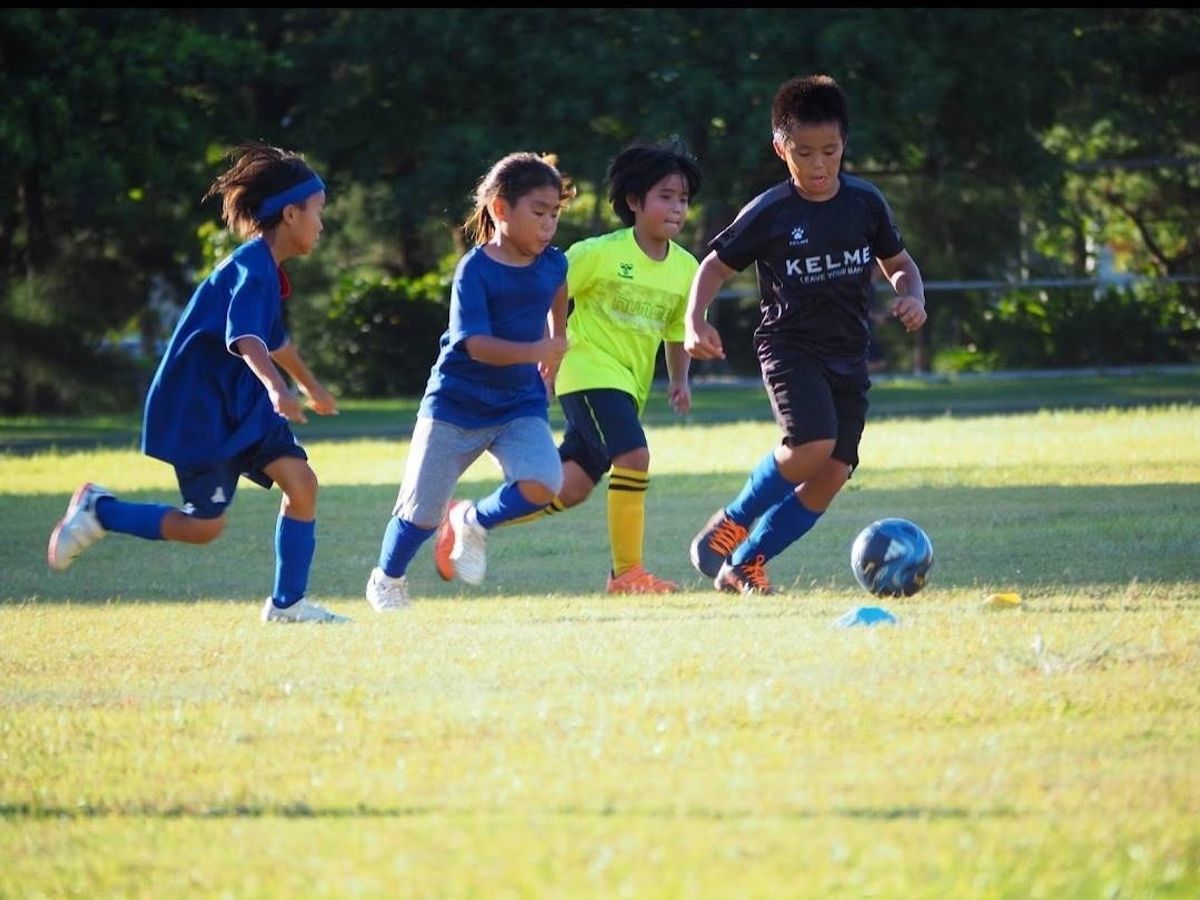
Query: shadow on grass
point(365, 811)
point(1038, 539)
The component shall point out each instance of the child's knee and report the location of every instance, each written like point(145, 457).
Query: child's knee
point(302, 488)
point(573, 493)
point(810, 451)
point(538, 493)
point(189, 530)
point(210, 530)
point(799, 462)
point(637, 459)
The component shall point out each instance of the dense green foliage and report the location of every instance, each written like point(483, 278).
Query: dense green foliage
point(1011, 144)
point(382, 332)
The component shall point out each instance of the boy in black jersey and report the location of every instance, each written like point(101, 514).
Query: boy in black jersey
point(813, 239)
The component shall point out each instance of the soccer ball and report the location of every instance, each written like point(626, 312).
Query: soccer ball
point(891, 558)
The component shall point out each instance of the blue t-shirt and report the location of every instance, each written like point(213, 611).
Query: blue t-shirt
point(205, 404)
point(508, 302)
point(813, 260)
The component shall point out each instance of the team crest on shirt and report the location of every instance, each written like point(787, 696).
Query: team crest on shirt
point(799, 236)
point(625, 270)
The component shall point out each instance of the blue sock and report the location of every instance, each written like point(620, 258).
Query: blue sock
point(295, 543)
point(502, 504)
point(763, 489)
point(401, 541)
point(142, 520)
point(784, 524)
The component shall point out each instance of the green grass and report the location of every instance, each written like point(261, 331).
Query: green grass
point(534, 737)
point(716, 400)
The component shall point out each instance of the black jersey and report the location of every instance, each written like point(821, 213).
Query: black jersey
point(814, 264)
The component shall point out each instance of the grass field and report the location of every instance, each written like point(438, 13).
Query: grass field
point(533, 737)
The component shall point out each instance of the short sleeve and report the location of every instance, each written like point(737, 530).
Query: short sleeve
point(253, 312)
point(468, 304)
point(687, 264)
point(886, 241)
point(581, 266)
point(741, 243)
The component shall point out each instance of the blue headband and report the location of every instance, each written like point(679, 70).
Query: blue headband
point(294, 194)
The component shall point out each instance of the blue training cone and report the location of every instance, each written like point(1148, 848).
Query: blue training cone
point(865, 615)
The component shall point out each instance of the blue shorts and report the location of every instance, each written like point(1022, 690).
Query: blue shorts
point(207, 489)
point(601, 424)
point(812, 402)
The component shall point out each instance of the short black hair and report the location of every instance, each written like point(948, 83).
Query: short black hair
point(810, 100)
point(641, 166)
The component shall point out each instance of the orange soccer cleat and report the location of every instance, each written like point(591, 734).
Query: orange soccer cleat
point(746, 578)
point(638, 581)
point(715, 543)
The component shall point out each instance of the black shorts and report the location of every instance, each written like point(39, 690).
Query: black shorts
point(602, 423)
point(207, 489)
point(812, 402)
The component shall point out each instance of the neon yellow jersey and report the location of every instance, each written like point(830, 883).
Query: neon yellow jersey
point(626, 305)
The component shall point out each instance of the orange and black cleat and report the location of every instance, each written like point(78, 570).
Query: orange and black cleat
point(745, 578)
point(715, 543)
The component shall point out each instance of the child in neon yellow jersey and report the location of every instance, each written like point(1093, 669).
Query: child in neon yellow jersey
point(630, 291)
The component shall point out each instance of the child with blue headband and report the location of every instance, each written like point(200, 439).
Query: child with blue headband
point(219, 407)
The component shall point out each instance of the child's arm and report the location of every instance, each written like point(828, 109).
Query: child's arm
point(254, 353)
point(494, 351)
point(319, 399)
point(557, 318)
point(679, 393)
point(701, 340)
point(909, 306)
point(556, 326)
point(470, 327)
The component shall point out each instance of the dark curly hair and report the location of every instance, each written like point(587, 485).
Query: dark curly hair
point(642, 165)
point(811, 100)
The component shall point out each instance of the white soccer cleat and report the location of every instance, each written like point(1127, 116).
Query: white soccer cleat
point(301, 611)
point(470, 545)
point(78, 529)
point(387, 594)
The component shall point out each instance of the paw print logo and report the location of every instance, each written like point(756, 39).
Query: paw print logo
point(799, 236)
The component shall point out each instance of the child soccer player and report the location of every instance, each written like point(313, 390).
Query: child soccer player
point(508, 308)
point(218, 407)
point(813, 239)
point(630, 289)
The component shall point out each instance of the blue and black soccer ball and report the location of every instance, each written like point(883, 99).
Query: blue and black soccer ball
point(892, 558)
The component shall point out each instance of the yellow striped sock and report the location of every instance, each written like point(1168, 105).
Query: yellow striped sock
point(626, 517)
point(555, 506)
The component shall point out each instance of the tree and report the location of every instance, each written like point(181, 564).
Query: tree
point(107, 117)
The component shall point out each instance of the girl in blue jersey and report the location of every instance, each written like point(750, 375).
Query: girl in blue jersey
point(629, 289)
point(219, 407)
point(814, 239)
point(486, 392)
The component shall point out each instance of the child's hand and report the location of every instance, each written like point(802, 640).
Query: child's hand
point(321, 401)
point(910, 311)
point(551, 350)
point(701, 341)
point(288, 405)
point(679, 395)
point(549, 373)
